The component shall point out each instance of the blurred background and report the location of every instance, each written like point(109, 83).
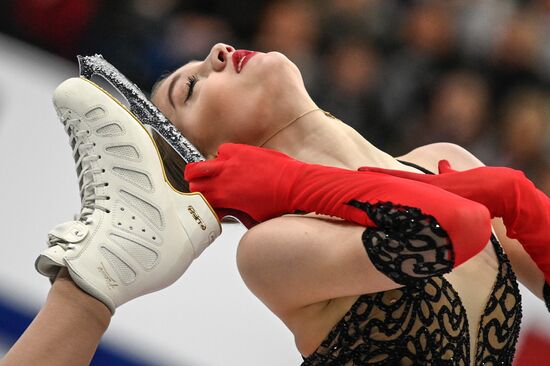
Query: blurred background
point(402, 73)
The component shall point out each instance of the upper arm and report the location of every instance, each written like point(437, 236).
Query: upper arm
point(290, 262)
point(461, 159)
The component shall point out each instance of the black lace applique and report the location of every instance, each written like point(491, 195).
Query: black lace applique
point(546, 294)
point(422, 324)
point(406, 245)
point(425, 324)
point(501, 320)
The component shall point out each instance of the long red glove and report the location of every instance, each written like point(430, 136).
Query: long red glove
point(507, 193)
point(265, 183)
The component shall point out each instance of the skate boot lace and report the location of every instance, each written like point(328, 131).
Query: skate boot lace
point(87, 173)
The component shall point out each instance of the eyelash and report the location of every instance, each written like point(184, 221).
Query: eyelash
point(191, 81)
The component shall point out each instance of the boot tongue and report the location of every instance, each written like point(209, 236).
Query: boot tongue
point(68, 232)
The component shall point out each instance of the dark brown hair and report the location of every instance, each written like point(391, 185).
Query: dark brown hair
point(174, 165)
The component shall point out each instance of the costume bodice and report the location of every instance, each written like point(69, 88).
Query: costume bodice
point(424, 322)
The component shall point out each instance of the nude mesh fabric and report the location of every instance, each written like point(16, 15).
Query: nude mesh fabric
point(109, 130)
point(139, 179)
point(145, 208)
point(124, 272)
point(143, 255)
point(125, 151)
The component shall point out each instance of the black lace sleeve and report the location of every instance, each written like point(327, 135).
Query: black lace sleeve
point(546, 295)
point(406, 245)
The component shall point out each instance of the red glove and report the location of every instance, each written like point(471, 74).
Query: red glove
point(507, 193)
point(265, 184)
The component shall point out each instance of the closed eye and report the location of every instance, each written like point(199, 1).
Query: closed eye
point(191, 81)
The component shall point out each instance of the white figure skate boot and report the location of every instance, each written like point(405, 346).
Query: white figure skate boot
point(135, 234)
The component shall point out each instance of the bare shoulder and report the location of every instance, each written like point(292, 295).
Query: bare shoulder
point(263, 253)
point(295, 261)
point(429, 155)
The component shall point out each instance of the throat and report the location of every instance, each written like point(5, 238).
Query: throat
point(320, 138)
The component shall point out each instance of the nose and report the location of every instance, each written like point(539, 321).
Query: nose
point(218, 56)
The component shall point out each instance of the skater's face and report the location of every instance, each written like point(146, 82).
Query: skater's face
point(232, 96)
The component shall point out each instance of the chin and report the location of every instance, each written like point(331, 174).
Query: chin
point(279, 74)
point(279, 64)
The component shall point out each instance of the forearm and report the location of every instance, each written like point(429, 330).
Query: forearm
point(398, 206)
point(524, 266)
point(276, 184)
point(526, 215)
point(65, 332)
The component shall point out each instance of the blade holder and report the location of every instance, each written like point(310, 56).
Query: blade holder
point(140, 106)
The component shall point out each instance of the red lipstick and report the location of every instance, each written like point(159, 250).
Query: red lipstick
point(240, 58)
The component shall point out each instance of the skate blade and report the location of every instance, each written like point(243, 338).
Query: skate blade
point(140, 106)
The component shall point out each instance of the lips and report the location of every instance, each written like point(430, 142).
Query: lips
point(240, 58)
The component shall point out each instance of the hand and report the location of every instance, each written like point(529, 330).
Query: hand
point(246, 178)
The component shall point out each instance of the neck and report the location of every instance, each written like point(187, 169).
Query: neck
point(318, 138)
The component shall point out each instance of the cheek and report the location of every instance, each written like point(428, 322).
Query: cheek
point(188, 122)
point(229, 112)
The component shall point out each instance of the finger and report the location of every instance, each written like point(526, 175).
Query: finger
point(228, 149)
point(444, 167)
point(211, 196)
point(202, 186)
point(395, 173)
point(372, 169)
point(201, 169)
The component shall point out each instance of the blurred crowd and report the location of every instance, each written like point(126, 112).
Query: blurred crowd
point(403, 73)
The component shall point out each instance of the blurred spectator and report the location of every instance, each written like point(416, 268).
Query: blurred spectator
point(191, 36)
point(518, 44)
point(479, 25)
point(459, 112)
point(525, 128)
point(290, 27)
point(429, 27)
point(348, 88)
